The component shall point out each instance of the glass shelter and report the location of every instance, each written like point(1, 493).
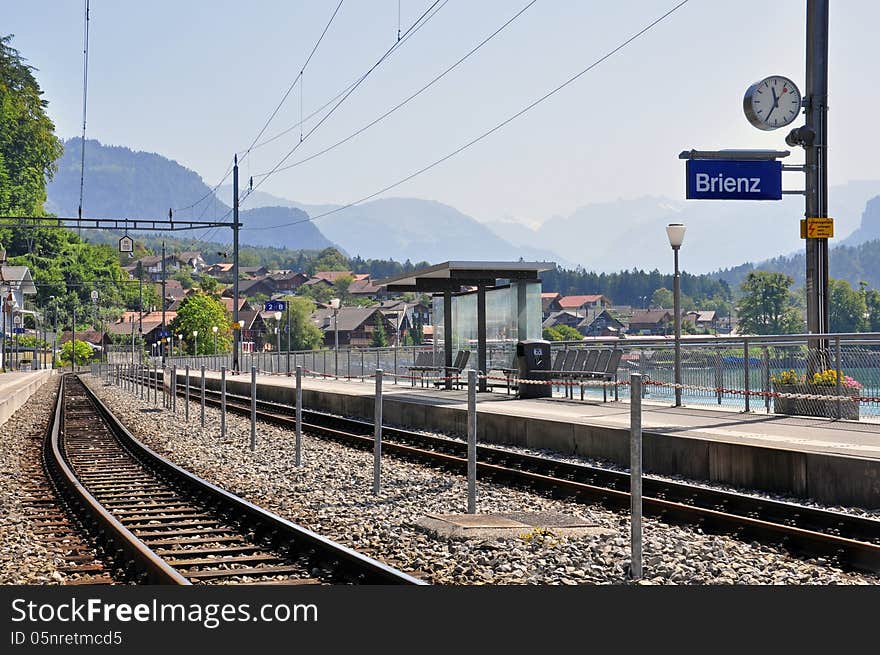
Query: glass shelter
point(480, 306)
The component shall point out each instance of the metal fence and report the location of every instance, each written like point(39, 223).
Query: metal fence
point(739, 373)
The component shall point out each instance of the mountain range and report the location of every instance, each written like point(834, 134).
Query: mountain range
point(609, 236)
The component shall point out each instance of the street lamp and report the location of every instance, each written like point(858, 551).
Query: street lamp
point(195, 342)
point(675, 232)
point(179, 344)
point(334, 305)
point(214, 330)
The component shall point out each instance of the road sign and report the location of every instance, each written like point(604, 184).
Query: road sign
point(726, 179)
point(275, 306)
point(17, 319)
point(817, 228)
point(18, 330)
point(236, 326)
point(126, 244)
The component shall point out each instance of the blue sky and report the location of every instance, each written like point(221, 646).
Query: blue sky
point(195, 81)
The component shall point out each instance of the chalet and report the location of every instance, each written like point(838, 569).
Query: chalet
point(16, 283)
point(253, 271)
point(243, 304)
point(582, 304)
point(571, 319)
point(707, 320)
point(550, 304)
point(288, 281)
point(354, 325)
point(152, 266)
point(222, 271)
point(651, 321)
point(191, 260)
point(98, 341)
point(418, 313)
point(603, 324)
point(253, 331)
point(263, 286)
point(364, 288)
point(332, 276)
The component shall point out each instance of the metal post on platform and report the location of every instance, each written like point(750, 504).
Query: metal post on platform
point(173, 390)
point(299, 408)
point(203, 394)
point(155, 384)
point(253, 407)
point(186, 392)
point(635, 467)
point(766, 378)
point(222, 402)
point(838, 377)
point(472, 442)
point(377, 434)
point(747, 372)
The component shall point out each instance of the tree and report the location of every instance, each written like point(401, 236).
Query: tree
point(201, 312)
point(568, 333)
point(872, 308)
point(551, 334)
point(846, 307)
point(380, 338)
point(304, 335)
point(83, 353)
point(767, 305)
point(662, 298)
point(28, 145)
point(209, 285)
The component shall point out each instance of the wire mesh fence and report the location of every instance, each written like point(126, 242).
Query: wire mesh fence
point(744, 374)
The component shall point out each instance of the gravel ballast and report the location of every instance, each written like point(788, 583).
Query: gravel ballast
point(25, 556)
point(331, 494)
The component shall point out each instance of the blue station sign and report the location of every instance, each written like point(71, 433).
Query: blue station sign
point(275, 306)
point(729, 179)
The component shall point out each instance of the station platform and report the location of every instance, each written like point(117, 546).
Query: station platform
point(830, 461)
point(16, 387)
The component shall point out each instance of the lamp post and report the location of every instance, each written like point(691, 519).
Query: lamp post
point(214, 330)
point(179, 344)
point(334, 305)
point(196, 343)
point(675, 232)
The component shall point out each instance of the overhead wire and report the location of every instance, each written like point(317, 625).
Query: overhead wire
point(489, 132)
point(292, 84)
point(420, 21)
point(82, 161)
point(411, 97)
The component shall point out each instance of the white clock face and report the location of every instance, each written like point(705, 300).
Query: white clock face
point(772, 103)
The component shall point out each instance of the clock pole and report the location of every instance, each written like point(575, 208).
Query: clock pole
point(816, 151)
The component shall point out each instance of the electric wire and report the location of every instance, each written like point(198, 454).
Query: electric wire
point(411, 97)
point(411, 30)
point(487, 133)
point(82, 161)
point(292, 84)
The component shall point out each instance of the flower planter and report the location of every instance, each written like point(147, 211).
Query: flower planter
point(827, 408)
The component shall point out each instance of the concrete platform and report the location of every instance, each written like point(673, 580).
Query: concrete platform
point(523, 525)
point(831, 461)
point(17, 387)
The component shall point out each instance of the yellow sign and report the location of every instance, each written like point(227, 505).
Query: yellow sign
point(817, 228)
point(236, 326)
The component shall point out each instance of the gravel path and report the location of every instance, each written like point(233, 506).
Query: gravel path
point(330, 494)
point(25, 558)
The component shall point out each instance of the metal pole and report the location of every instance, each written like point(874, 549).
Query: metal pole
point(222, 402)
point(336, 341)
point(288, 338)
point(472, 442)
point(155, 384)
point(186, 391)
point(747, 370)
point(203, 395)
point(299, 406)
point(766, 358)
point(173, 390)
point(816, 162)
point(635, 467)
point(73, 343)
point(236, 334)
point(162, 303)
point(253, 407)
point(677, 309)
point(377, 434)
point(839, 385)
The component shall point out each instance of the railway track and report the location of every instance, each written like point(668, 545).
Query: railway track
point(850, 541)
point(160, 524)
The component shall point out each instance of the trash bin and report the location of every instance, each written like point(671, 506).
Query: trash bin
point(533, 362)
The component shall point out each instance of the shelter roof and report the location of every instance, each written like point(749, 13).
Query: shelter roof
point(452, 275)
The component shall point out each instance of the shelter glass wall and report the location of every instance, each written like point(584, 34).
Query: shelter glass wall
point(511, 315)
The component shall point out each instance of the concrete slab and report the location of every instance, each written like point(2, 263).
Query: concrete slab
point(508, 526)
point(17, 387)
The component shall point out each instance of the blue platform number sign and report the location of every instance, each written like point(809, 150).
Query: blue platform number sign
point(724, 179)
point(275, 306)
